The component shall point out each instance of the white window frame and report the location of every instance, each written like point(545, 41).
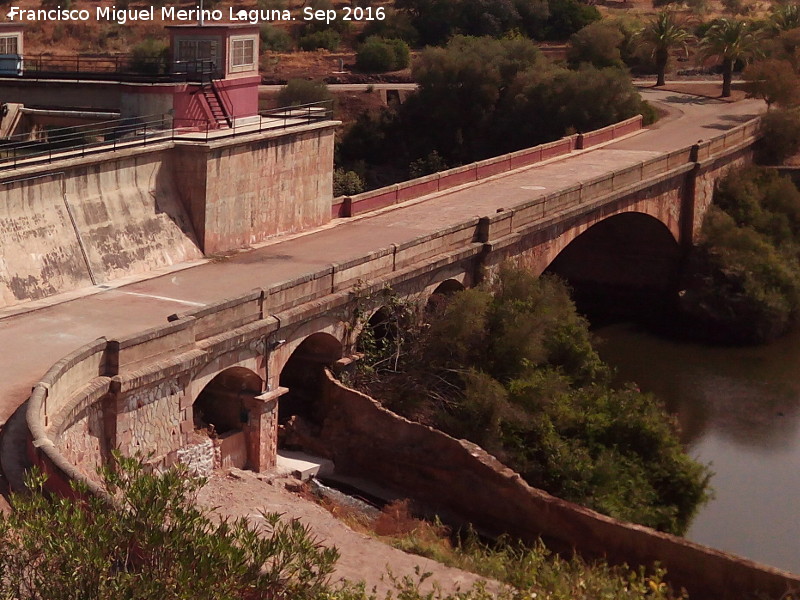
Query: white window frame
point(247, 63)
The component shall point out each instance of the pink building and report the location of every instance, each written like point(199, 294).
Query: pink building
point(220, 66)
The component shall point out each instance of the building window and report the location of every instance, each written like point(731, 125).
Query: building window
point(193, 51)
point(8, 44)
point(243, 54)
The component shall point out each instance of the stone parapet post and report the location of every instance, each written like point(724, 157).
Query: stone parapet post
point(262, 429)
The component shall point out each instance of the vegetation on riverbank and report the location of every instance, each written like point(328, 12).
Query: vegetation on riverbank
point(155, 544)
point(743, 280)
point(532, 571)
point(510, 366)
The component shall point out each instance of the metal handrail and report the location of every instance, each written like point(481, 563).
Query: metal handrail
point(125, 65)
point(135, 132)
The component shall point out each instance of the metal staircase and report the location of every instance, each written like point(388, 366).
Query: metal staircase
point(219, 112)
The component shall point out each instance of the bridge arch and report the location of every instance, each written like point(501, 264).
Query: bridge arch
point(226, 407)
point(222, 401)
point(302, 375)
point(438, 298)
point(627, 255)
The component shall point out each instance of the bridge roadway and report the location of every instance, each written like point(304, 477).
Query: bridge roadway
point(30, 342)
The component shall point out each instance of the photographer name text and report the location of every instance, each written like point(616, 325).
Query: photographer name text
point(254, 16)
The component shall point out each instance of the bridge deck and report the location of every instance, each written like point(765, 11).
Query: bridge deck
point(32, 341)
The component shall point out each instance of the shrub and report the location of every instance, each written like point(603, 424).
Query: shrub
point(781, 136)
point(150, 57)
point(154, 545)
point(378, 55)
point(433, 163)
point(346, 183)
point(303, 91)
point(275, 39)
point(597, 44)
point(511, 366)
point(744, 280)
point(567, 17)
point(396, 25)
point(327, 39)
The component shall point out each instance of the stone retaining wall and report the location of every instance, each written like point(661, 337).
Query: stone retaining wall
point(458, 478)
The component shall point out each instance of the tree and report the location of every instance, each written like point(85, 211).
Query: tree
point(785, 17)
point(661, 35)
point(597, 44)
point(378, 55)
point(729, 41)
point(459, 89)
point(510, 366)
point(773, 80)
point(780, 136)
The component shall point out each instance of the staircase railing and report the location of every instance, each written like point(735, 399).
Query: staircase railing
point(224, 102)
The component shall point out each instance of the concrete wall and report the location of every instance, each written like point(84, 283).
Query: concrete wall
point(129, 215)
point(40, 252)
point(90, 220)
point(275, 183)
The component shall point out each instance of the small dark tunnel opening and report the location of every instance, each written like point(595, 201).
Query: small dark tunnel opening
point(222, 401)
point(303, 376)
point(441, 296)
point(625, 267)
point(381, 326)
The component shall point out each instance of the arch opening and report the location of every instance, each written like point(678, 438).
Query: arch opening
point(442, 295)
point(626, 266)
point(302, 375)
point(380, 329)
point(221, 409)
point(221, 403)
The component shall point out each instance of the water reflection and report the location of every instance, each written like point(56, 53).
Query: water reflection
point(739, 409)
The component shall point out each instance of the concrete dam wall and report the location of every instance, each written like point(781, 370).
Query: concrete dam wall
point(90, 224)
point(83, 221)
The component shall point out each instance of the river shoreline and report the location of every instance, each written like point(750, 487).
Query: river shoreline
point(739, 410)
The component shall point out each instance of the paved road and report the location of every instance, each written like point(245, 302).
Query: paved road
point(31, 342)
point(362, 87)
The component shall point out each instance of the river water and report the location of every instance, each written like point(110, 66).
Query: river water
point(739, 410)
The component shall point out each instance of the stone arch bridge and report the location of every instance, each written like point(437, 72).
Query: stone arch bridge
point(151, 391)
point(238, 363)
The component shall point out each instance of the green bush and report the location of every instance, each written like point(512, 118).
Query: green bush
point(275, 39)
point(346, 183)
point(744, 278)
point(327, 39)
point(396, 25)
point(150, 57)
point(567, 17)
point(303, 91)
point(780, 136)
point(597, 44)
point(155, 545)
point(511, 367)
point(377, 55)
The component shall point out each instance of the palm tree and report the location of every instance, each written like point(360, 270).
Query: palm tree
point(729, 40)
point(662, 34)
point(785, 17)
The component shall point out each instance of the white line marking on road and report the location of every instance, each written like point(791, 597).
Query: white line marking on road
point(167, 298)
